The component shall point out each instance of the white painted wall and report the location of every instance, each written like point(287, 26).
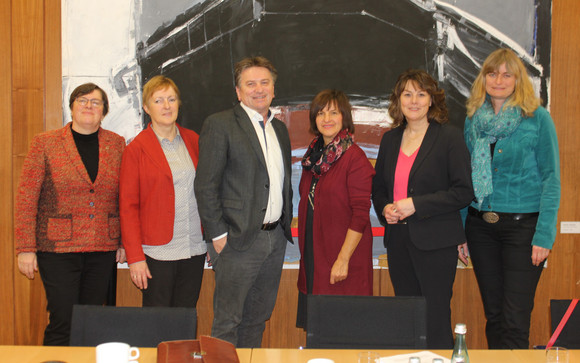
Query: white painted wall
point(98, 38)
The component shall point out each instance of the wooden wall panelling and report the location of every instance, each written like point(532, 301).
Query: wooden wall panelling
point(466, 307)
point(561, 279)
point(565, 110)
point(28, 116)
point(377, 279)
point(205, 304)
point(28, 44)
point(6, 216)
point(127, 293)
point(35, 32)
point(53, 65)
point(29, 308)
point(281, 332)
point(281, 329)
point(386, 287)
point(29, 311)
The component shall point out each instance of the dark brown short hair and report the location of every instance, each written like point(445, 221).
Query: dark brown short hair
point(159, 83)
point(85, 89)
point(339, 100)
point(423, 81)
point(254, 62)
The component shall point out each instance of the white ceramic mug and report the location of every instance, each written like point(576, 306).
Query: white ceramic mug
point(116, 353)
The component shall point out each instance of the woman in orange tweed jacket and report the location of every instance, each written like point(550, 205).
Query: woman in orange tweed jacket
point(67, 212)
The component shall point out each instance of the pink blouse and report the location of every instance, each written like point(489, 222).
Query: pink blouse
point(402, 171)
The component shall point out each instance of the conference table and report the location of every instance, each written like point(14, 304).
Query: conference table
point(40, 354)
point(351, 355)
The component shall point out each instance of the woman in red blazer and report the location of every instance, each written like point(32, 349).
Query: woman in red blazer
point(67, 211)
point(423, 180)
point(159, 219)
point(334, 229)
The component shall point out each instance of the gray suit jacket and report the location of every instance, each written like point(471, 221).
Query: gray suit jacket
point(231, 183)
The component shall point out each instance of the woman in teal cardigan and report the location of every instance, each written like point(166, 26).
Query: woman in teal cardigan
point(511, 224)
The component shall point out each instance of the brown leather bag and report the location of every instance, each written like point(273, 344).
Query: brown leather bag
point(205, 349)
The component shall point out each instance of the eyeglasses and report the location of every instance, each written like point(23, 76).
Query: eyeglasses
point(94, 102)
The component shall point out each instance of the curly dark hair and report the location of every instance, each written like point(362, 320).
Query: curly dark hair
point(423, 81)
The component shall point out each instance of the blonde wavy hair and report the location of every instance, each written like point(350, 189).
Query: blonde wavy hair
point(523, 96)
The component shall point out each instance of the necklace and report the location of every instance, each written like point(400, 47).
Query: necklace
point(312, 190)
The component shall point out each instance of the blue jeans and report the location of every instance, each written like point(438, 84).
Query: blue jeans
point(501, 254)
point(246, 287)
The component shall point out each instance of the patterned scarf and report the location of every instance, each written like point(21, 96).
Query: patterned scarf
point(319, 158)
point(487, 128)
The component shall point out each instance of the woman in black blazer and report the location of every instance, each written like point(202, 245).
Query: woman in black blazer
point(423, 179)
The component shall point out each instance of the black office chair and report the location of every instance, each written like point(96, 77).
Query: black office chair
point(136, 326)
point(366, 322)
point(570, 335)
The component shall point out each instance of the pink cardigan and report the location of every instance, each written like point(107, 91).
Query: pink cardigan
point(58, 208)
point(147, 197)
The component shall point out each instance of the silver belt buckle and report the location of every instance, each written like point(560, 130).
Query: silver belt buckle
point(490, 217)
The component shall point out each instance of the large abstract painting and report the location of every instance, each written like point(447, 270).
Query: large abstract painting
point(358, 46)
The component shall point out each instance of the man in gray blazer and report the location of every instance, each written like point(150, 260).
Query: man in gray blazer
point(244, 199)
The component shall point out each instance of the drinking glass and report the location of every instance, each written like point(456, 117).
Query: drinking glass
point(556, 355)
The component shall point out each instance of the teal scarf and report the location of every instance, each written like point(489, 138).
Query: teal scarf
point(487, 128)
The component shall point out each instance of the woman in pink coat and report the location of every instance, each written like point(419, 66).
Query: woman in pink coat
point(334, 230)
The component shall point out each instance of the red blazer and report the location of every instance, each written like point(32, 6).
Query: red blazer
point(342, 201)
point(58, 208)
point(147, 197)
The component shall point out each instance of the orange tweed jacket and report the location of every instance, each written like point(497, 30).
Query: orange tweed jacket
point(58, 208)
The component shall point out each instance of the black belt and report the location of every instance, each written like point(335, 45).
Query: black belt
point(494, 217)
point(269, 226)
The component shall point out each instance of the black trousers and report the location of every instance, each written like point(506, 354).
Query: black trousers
point(501, 254)
point(69, 279)
point(431, 274)
point(174, 283)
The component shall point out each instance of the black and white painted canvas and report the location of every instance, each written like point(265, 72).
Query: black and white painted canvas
point(358, 46)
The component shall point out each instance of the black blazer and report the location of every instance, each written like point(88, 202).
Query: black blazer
point(439, 183)
point(231, 183)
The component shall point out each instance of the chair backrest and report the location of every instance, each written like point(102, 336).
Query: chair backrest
point(570, 335)
point(136, 326)
point(366, 322)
